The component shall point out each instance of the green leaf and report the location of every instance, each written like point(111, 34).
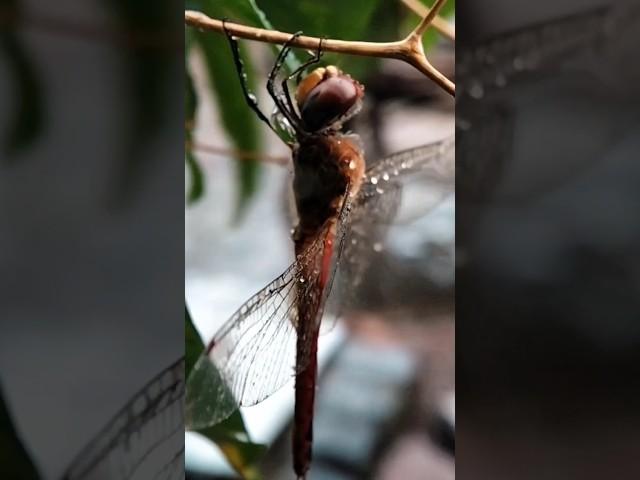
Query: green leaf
point(242, 456)
point(230, 435)
point(14, 459)
point(247, 12)
point(196, 185)
point(332, 18)
point(193, 343)
point(238, 119)
point(338, 19)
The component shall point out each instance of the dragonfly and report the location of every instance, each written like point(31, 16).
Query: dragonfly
point(342, 207)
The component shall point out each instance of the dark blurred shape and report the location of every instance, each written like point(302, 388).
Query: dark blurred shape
point(91, 297)
point(145, 439)
point(16, 460)
point(547, 233)
point(27, 111)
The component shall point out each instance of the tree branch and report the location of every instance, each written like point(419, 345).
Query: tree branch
point(406, 50)
point(429, 17)
point(439, 23)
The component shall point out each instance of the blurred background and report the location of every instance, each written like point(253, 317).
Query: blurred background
point(547, 239)
point(385, 405)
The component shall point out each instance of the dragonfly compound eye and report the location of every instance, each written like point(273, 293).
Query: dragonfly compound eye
point(327, 96)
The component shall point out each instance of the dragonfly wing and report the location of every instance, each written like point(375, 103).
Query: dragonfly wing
point(435, 161)
point(254, 353)
point(363, 234)
point(144, 440)
point(376, 206)
point(427, 172)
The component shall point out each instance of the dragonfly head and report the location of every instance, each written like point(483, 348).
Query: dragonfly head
point(327, 97)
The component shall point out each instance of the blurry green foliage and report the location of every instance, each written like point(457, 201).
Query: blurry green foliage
point(148, 74)
point(431, 36)
point(196, 176)
point(27, 119)
point(239, 122)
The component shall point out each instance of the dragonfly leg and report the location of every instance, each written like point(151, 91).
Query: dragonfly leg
point(249, 97)
point(289, 113)
point(297, 72)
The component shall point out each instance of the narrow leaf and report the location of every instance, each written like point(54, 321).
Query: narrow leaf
point(231, 434)
point(196, 175)
point(193, 343)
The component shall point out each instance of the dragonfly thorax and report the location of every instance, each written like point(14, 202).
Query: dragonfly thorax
point(325, 168)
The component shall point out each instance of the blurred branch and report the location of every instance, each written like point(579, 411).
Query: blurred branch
point(138, 38)
point(237, 154)
point(439, 23)
point(408, 49)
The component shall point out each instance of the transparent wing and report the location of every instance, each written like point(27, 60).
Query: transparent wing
point(144, 440)
point(377, 205)
point(434, 161)
point(255, 352)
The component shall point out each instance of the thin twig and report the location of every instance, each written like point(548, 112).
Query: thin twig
point(237, 154)
point(439, 23)
point(428, 18)
point(406, 50)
